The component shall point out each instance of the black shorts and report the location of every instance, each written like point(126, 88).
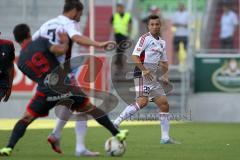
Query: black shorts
point(39, 105)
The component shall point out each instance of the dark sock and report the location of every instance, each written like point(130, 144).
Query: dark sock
point(103, 119)
point(18, 131)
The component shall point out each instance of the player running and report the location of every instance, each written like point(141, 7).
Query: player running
point(149, 55)
point(37, 60)
point(7, 57)
point(69, 22)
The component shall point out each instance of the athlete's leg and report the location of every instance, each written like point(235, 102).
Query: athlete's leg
point(17, 133)
point(163, 105)
point(131, 110)
point(80, 131)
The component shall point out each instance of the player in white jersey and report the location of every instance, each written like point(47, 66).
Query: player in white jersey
point(149, 55)
point(68, 22)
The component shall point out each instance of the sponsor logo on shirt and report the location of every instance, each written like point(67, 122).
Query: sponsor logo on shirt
point(59, 97)
point(156, 50)
point(139, 49)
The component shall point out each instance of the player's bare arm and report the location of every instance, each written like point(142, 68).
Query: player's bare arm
point(83, 40)
point(61, 48)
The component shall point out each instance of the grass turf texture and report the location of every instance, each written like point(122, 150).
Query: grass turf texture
point(200, 141)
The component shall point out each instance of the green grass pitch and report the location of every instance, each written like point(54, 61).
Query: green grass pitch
point(200, 141)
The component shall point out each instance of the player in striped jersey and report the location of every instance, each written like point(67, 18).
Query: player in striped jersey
point(150, 55)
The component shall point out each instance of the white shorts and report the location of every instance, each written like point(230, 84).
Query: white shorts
point(149, 89)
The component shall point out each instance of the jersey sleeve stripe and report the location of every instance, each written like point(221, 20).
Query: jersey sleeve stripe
point(143, 39)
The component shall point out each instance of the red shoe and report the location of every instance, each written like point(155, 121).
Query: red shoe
point(55, 143)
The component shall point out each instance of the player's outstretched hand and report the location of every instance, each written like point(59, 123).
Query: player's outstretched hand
point(63, 37)
point(105, 44)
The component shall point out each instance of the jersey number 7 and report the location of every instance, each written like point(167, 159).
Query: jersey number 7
point(52, 33)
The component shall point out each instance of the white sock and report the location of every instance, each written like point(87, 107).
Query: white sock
point(164, 119)
point(80, 131)
point(58, 128)
point(126, 113)
point(63, 116)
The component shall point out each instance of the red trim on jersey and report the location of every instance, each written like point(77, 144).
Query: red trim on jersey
point(25, 43)
point(81, 105)
point(29, 110)
point(142, 56)
point(3, 41)
point(40, 94)
point(85, 102)
point(143, 39)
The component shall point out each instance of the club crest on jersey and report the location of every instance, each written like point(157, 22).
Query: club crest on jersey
point(3, 54)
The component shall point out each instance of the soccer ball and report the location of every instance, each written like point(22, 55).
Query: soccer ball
point(114, 147)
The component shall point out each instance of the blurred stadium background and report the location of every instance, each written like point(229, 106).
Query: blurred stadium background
point(196, 95)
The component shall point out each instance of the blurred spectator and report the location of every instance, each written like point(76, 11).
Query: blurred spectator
point(121, 22)
point(229, 22)
point(180, 22)
point(153, 10)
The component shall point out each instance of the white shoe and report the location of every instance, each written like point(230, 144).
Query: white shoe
point(86, 153)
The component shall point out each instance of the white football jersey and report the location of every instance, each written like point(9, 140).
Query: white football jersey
point(51, 28)
point(151, 51)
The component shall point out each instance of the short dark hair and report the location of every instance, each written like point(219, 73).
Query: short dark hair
point(21, 32)
point(152, 17)
point(120, 5)
point(72, 4)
